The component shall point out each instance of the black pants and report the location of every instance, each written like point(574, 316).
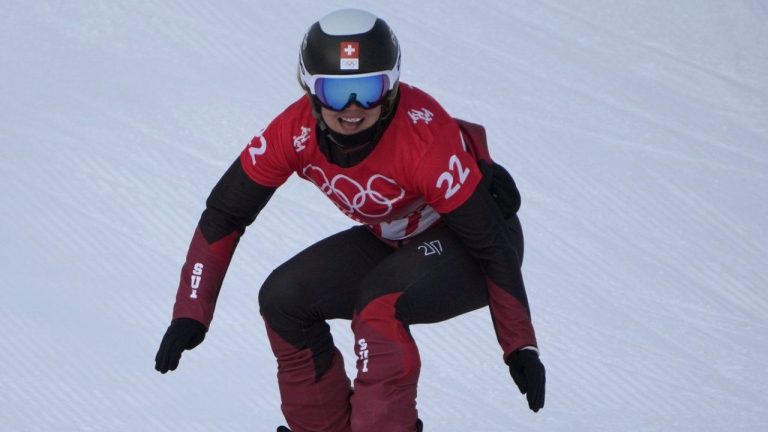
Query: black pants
point(383, 289)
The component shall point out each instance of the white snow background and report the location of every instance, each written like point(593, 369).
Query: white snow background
point(637, 132)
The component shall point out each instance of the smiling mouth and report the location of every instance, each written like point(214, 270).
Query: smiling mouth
point(350, 124)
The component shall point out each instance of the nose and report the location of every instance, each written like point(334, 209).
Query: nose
point(353, 107)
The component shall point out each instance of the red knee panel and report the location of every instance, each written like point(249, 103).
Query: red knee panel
point(388, 366)
point(310, 404)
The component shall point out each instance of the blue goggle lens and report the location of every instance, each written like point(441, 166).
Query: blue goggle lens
point(338, 93)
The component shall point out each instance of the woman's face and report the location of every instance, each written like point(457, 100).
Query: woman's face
point(352, 120)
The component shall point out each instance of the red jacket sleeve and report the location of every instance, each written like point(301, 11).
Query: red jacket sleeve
point(479, 224)
point(202, 275)
point(233, 204)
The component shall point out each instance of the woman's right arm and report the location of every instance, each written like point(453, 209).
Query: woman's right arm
point(233, 204)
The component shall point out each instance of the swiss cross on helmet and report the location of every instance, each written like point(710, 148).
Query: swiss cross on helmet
point(350, 56)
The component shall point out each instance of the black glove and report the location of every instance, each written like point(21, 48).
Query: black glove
point(529, 375)
point(182, 334)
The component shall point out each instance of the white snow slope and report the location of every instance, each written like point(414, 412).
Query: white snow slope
point(637, 132)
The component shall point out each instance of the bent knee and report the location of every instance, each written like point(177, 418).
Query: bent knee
point(279, 293)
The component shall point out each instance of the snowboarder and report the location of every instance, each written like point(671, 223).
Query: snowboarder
point(438, 237)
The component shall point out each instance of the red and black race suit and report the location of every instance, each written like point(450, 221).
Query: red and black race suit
point(439, 238)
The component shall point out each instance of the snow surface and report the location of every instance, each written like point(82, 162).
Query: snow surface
point(637, 132)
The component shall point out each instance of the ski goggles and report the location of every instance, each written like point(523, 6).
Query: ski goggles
point(337, 92)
